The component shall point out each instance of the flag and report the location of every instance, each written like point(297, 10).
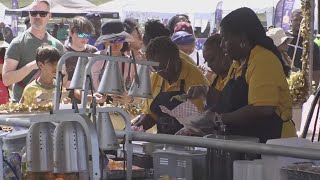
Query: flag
point(218, 14)
point(283, 13)
point(14, 18)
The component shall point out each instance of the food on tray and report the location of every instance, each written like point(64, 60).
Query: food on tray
point(17, 107)
point(118, 165)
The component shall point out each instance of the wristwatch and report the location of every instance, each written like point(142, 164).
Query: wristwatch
point(220, 122)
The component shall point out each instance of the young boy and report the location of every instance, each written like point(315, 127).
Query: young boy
point(40, 90)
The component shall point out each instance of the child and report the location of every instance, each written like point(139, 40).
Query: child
point(40, 90)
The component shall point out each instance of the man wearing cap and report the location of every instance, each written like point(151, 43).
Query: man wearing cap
point(19, 66)
point(196, 55)
point(95, 19)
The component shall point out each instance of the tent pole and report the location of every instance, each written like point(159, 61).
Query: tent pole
point(311, 44)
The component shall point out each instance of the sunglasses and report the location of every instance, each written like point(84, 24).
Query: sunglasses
point(84, 35)
point(41, 13)
point(119, 40)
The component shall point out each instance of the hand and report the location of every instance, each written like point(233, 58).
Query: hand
point(100, 98)
point(203, 69)
point(200, 91)
point(201, 122)
point(33, 65)
point(124, 99)
point(144, 120)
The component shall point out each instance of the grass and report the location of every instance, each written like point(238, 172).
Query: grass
point(23, 3)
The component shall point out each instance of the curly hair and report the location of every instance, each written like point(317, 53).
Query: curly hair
point(47, 53)
point(154, 29)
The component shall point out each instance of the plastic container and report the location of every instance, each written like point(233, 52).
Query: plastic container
point(220, 162)
point(186, 165)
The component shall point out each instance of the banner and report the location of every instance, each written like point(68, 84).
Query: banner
point(283, 13)
point(218, 15)
point(14, 22)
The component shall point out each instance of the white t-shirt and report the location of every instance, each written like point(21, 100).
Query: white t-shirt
point(201, 60)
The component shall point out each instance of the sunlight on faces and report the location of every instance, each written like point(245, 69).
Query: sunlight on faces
point(79, 39)
point(39, 22)
point(137, 44)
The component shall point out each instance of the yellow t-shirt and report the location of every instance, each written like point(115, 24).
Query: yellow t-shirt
point(34, 93)
point(187, 58)
point(267, 85)
point(192, 76)
point(221, 82)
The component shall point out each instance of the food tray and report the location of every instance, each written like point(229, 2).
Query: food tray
point(141, 174)
point(305, 171)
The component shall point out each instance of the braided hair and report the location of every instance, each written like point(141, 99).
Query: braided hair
point(154, 28)
point(245, 21)
point(163, 47)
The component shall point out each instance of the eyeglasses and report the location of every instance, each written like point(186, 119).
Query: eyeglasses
point(119, 40)
point(41, 13)
point(84, 35)
point(156, 70)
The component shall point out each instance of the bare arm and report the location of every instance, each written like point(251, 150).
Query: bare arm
point(1, 65)
point(247, 114)
point(10, 73)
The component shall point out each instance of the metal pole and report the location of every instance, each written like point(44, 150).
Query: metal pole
point(256, 148)
point(311, 44)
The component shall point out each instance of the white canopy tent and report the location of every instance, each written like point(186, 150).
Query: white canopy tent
point(66, 8)
point(2, 12)
point(200, 11)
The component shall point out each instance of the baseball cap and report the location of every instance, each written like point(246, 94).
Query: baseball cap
point(278, 36)
point(183, 26)
point(113, 30)
point(93, 15)
point(182, 38)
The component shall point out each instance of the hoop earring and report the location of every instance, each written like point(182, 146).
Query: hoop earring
point(242, 45)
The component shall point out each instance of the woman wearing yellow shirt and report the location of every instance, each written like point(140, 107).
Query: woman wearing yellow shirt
point(256, 100)
point(174, 76)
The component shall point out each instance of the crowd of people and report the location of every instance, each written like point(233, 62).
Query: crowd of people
point(242, 86)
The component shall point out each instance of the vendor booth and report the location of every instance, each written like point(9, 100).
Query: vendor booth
point(81, 141)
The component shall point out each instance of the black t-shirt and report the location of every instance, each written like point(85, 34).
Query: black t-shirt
point(297, 60)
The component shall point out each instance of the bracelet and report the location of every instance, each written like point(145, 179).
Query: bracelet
point(220, 122)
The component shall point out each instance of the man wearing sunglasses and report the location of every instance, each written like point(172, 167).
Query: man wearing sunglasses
point(20, 66)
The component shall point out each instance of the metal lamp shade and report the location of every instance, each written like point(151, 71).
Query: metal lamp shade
point(111, 81)
point(39, 147)
point(78, 75)
point(70, 152)
point(143, 89)
point(106, 134)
